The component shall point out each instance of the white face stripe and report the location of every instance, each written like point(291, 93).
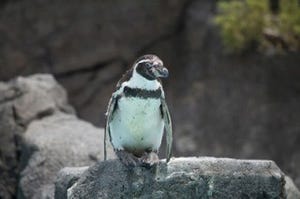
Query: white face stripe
point(144, 60)
point(156, 62)
point(148, 60)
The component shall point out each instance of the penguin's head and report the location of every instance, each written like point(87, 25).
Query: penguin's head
point(150, 67)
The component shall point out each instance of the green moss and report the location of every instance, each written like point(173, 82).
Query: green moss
point(245, 24)
point(290, 23)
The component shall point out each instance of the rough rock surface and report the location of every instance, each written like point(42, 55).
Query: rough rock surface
point(39, 136)
point(53, 143)
point(21, 101)
point(181, 178)
point(55, 36)
point(41, 96)
point(292, 192)
point(9, 133)
point(66, 178)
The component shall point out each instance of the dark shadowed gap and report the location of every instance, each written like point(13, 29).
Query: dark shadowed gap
point(274, 6)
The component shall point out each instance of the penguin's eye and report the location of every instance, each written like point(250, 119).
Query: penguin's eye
point(148, 65)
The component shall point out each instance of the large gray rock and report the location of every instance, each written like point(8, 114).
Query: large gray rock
point(39, 136)
point(41, 96)
point(53, 143)
point(292, 192)
point(21, 101)
point(9, 137)
point(66, 178)
point(181, 178)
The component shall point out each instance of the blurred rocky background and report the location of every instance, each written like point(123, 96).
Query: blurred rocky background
point(239, 105)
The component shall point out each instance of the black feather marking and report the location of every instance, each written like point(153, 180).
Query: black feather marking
point(141, 93)
point(145, 72)
point(161, 111)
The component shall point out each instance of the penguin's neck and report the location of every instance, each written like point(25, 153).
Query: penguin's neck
point(138, 81)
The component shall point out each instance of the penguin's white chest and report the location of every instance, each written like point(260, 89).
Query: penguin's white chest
point(137, 124)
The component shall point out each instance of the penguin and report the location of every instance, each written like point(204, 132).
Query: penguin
point(137, 114)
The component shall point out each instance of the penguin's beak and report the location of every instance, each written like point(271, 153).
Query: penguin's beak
point(162, 72)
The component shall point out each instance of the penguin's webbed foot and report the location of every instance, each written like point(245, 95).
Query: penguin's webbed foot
point(149, 159)
point(127, 158)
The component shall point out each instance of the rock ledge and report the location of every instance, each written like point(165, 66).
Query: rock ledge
point(203, 177)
